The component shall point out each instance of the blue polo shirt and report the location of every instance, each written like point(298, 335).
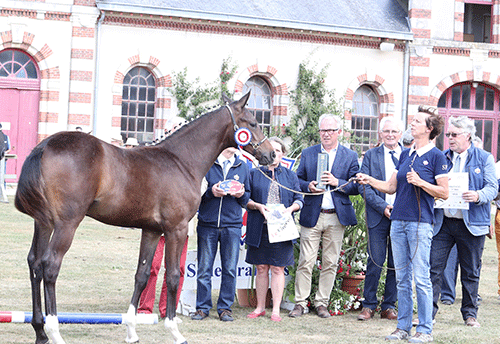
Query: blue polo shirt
point(430, 164)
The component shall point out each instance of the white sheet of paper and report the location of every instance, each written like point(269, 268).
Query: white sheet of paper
point(458, 183)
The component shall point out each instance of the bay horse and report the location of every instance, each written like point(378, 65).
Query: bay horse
point(70, 175)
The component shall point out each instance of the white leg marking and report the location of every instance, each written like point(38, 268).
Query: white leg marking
point(130, 321)
point(171, 325)
point(52, 329)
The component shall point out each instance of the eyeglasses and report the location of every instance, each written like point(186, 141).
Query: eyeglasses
point(454, 134)
point(329, 131)
point(393, 132)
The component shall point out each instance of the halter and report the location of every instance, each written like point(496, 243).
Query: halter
point(255, 146)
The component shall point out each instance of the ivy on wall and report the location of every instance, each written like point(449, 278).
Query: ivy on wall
point(311, 98)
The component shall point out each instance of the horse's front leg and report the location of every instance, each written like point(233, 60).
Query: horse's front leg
point(149, 241)
point(174, 244)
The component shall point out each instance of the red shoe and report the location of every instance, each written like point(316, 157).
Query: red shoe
point(275, 317)
point(254, 315)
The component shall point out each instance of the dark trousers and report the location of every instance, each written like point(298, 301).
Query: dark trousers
point(470, 250)
point(380, 248)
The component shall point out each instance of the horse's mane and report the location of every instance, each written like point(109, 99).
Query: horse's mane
point(187, 125)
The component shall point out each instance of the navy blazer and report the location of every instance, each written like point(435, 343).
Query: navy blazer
point(344, 167)
point(374, 165)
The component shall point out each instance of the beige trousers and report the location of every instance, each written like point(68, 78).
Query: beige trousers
point(331, 231)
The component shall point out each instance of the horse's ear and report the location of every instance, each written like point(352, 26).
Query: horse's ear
point(243, 101)
point(226, 99)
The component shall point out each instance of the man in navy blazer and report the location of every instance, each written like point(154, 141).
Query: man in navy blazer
point(380, 164)
point(324, 216)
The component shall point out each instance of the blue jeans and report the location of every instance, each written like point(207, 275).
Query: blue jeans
point(470, 250)
point(448, 287)
point(208, 239)
point(411, 244)
point(380, 247)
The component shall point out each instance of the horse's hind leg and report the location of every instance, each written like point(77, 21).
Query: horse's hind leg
point(149, 241)
point(39, 244)
point(59, 244)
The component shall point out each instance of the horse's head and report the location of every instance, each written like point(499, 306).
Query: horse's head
point(259, 145)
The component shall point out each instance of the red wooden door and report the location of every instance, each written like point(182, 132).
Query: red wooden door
point(19, 99)
point(19, 108)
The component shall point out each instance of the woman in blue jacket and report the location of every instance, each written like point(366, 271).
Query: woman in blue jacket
point(265, 255)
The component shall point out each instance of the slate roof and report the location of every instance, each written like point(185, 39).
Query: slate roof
point(375, 18)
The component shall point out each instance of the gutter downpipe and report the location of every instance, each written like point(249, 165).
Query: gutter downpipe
point(406, 73)
point(96, 76)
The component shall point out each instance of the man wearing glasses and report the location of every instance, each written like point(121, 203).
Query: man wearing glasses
point(466, 228)
point(380, 163)
point(324, 216)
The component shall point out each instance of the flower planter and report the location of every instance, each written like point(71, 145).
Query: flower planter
point(248, 298)
point(351, 284)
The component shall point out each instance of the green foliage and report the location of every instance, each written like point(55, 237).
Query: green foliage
point(194, 99)
point(311, 99)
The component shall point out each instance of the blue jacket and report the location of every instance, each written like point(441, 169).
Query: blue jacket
point(344, 167)
point(259, 186)
point(224, 211)
point(374, 165)
point(482, 178)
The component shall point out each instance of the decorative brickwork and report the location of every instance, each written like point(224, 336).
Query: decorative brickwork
point(164, 103)
point(451, 51)
point(79, 31)
point(281, 90)
point(117, 99)
point(50, 73)
point(48, 117)
point(78, 75)
point(49, 95)
point(417, 61)
point(419, 13)
point(43, 53)
point(165, 81)
point(226, 28)
point(116, 121)
point(78, 97)
point(57, 16)
point(10, 12)
point(78, 119)
point(419, 80)
point(83, 54)
point(90, 3)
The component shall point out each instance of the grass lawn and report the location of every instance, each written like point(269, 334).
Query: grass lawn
point(97, 276)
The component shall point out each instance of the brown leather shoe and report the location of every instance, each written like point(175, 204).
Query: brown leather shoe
point(297, 311)
point(322, 312)
point(389, 314)
point(366, 314)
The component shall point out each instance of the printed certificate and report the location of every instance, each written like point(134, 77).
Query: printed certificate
point(458, 183)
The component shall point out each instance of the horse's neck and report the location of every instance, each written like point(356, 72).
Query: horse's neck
point(199, 145)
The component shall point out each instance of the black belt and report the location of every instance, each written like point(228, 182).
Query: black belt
point(453, 218)
point(328, 211)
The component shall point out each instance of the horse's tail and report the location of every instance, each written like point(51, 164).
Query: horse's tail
point(30, 198)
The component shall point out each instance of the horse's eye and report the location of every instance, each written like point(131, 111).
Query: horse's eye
point(253, 125)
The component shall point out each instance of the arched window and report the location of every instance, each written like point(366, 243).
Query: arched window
point(365, 115)
point(138, 105)
point(16, 64)
point(479, 102)
point(260, 102)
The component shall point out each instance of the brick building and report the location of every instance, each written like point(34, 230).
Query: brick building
point(107, 65)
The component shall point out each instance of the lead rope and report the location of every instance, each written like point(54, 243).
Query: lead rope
point(341, 188)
